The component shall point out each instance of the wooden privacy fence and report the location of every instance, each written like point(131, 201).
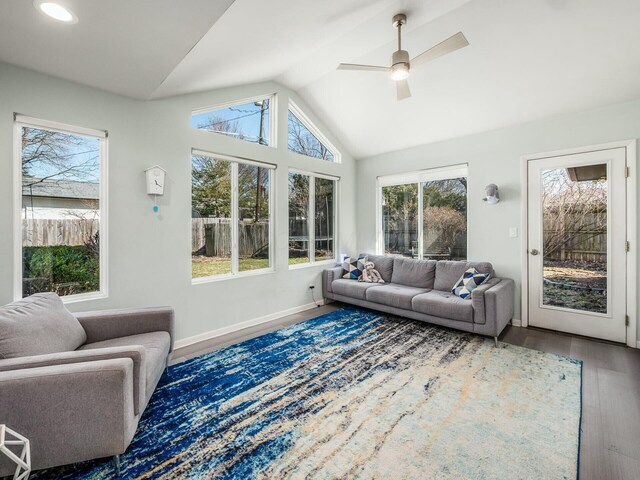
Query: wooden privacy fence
point(42, 232)
point(214, 235)
point(575, 235)
point(197, 231)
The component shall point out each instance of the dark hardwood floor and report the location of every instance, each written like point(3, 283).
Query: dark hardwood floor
point(610, 441)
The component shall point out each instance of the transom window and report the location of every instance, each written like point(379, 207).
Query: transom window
point(312, 218)
point(231, 219)
point(62, 243)
point(306, 139)
point(249, 120)
point(424, 214)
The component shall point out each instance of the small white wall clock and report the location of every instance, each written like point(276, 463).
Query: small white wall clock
point(155, 183)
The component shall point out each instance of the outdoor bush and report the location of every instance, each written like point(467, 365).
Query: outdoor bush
point(63, 269)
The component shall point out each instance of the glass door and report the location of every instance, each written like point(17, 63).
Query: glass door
point(577, 235)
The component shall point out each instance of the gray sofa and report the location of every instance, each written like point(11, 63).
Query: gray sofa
point(421, 290)
point(76, 385)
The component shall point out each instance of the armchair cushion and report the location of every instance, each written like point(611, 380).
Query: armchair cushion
point(156, 351)
point(38, 325)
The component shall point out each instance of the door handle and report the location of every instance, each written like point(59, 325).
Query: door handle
point(533, 251)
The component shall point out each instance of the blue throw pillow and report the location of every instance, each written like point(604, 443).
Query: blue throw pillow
point(352, 267)
point(470, 280)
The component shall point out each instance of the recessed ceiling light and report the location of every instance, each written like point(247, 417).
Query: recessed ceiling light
point(55, 11)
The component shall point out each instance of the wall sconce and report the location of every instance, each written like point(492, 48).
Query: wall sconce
point(492, 196)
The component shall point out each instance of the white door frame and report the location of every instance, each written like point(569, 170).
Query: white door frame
point(632, 228)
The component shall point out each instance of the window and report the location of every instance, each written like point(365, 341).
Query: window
point(231, 215)
point(248, 120)
point(312, 218)
point(424, 214)
point(306, 139)
point(62, 244)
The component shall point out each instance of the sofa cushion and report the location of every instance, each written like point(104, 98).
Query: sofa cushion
point(383, 264)
point(444, 305)
point(394, 295)
point(414, 273)
point(38, 325)
point(352, 288)
point(156, 346)
point(448, 272)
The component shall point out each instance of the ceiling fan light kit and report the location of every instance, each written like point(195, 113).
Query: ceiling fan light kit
point(401, 62)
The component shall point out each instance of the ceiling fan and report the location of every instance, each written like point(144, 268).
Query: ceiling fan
point(400, 63)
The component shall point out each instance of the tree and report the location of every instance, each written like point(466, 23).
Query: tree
point(574, 212)
point(211, 182)
point(211, 187)
point(400, 216)
point(448, 223)
point(56, 156)
point(302, 141)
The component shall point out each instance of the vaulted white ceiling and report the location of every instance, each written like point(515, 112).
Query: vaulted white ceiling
point(528, 59)
point(124, 46)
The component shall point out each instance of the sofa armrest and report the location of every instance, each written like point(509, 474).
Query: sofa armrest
point(498, 302)
point(133, 352)
point(70, 413)
point(328, 276)
point(478, 300)
point(108, 324)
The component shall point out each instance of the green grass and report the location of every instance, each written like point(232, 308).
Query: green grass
point(298, 260)
point(211, 266)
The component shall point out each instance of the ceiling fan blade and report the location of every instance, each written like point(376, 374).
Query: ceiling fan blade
point(402, 89)
point(368, 68)
point(449, 45)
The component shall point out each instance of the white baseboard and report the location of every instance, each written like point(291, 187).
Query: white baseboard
point(638, 344)
point(516, 322)
point(219, 332)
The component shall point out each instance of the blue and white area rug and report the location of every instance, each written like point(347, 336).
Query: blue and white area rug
point(358, 394)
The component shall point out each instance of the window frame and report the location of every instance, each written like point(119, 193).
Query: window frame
point(20, 121)
point(273, 117)
point(315, 131)
point(415, 177)
point(311, 217)
point(235, 212)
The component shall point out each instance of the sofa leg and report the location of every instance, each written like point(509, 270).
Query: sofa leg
point(495, 339)
point(116, 464)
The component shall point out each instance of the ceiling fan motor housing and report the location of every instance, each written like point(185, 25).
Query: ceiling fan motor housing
point(400, 65)
point(400, 56)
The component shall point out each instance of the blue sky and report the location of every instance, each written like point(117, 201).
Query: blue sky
point(246, 115)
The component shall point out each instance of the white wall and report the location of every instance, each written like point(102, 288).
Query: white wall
point(150, 254)
point(494, 157)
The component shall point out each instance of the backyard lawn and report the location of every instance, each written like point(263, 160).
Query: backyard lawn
point(202, 266)
point(576, 285)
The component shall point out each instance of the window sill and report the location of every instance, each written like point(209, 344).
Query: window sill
point(83, 297)
point(231, 276)
point(299, 266)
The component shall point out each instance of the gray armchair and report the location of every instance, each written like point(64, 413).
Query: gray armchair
point(76, 385)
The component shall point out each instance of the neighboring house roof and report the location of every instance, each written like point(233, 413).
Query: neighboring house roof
point(60, 189)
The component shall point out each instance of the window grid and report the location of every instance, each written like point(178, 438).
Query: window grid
point(420, 180)
point(314, 131)
point(235, 269)
point(311, 218)
point(24, 122)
